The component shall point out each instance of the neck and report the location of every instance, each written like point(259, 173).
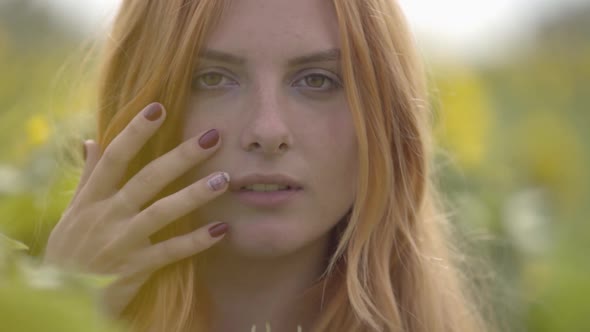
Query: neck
point(249, 291)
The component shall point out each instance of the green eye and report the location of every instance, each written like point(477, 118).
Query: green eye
point(315, 80)
point(211, 79)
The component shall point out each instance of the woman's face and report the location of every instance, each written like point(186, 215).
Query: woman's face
point(280, 110)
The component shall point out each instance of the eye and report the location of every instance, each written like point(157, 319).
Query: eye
point(318, 82)
point(212, 80)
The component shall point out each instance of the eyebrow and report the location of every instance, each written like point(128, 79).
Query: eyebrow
point(332, 54)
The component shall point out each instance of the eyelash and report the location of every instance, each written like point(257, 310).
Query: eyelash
point(334, 82)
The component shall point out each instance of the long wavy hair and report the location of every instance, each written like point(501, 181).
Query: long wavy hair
point(393, 266)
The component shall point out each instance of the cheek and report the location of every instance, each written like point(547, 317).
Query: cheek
point(203, 115)
point(337, 150)
point(194, 122)
point(340, 138)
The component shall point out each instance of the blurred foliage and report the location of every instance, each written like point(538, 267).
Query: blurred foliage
point(515, 149)
point(44, 114)
point(41, 298)
point(517, 173)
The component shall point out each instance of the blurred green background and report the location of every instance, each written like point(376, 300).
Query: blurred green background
point(511, 122)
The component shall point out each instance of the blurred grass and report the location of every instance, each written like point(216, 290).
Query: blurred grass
point(514, 168)
point(35, 298)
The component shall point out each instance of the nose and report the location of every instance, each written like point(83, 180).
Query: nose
point(266, 130)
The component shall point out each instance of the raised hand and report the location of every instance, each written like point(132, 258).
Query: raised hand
point(104, 230)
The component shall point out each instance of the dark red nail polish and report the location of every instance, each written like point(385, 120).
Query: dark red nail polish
point(153, 111)
point(209, 139)
point(218, 230)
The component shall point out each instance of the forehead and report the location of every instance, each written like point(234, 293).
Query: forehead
point(275, 29)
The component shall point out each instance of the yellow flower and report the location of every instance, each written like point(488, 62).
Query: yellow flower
point(38, 129)
point(465, 117)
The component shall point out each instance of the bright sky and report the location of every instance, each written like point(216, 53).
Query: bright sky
point(469, 28)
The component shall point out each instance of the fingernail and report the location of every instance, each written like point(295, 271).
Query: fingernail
point(153, 111)
point(218, 230)
point(209, 139)
point(218, 181)
point(84, 149)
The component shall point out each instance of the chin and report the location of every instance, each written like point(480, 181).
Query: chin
point(263, 239)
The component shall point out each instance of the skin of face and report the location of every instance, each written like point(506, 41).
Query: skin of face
point(274, 116)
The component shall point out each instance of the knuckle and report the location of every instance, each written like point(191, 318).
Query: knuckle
point(148, 177)
point(198, 240)
point(109, 256)
point(187, 151)
point(136, 265)
point(132, 233)
point(112, 157)
point(198, 191)
point(155, 211)
point(124, 240)
point(125, 202)
point(168, 251)
point(134, 130)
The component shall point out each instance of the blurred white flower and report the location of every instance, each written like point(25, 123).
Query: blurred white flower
point(10, 180)
point(527, 220)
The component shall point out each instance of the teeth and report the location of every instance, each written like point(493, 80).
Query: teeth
point(266, 187)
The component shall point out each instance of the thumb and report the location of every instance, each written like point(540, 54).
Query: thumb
point(91, 156)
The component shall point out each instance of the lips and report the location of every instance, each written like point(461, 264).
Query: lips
point(240, 183)
point(268, 199)
point(266, 188)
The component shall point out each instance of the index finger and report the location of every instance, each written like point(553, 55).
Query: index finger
point(111, 167)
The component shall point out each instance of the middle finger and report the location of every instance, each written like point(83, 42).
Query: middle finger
point(161, 171)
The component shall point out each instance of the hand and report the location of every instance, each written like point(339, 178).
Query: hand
point(104, 230)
